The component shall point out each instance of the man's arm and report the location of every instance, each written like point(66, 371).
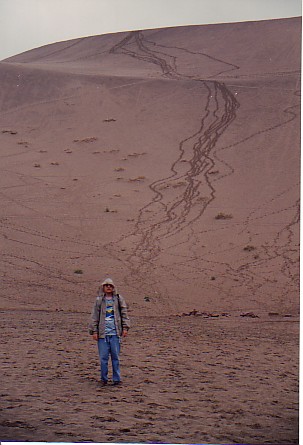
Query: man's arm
point(94, 323)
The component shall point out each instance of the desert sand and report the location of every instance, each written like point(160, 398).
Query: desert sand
point(168, 160)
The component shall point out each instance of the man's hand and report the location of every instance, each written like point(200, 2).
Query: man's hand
point(124, 333)
point(95, 336)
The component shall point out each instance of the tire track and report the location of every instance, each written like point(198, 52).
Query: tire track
point(272, 266)
point(190, 180)
point(180, 199)
point(195, 151)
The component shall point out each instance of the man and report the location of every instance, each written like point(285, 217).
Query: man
point(109, 323)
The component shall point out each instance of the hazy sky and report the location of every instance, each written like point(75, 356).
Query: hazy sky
point(28, 24)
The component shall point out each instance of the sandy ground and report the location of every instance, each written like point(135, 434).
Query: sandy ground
point(185, 380)
point(169, 160)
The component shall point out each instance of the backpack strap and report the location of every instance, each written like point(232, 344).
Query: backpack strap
point(119, 303)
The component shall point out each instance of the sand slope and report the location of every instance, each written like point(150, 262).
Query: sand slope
point(166, 130)
point(169, 160)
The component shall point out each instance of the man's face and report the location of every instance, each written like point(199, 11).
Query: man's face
point(108, 289)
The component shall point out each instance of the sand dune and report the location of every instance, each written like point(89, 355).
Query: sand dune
point(197, 136)
point(170, 160)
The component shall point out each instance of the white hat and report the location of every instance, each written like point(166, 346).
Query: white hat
point(108, 281)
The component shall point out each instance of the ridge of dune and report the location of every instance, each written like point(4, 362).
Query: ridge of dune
point(235, 41)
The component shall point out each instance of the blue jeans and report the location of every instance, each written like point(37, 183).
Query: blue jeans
point(109, 346)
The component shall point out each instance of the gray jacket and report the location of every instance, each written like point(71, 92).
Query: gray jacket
point(97, 324)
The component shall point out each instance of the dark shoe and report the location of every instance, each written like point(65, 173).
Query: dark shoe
point(117, 383)
point(103, 382)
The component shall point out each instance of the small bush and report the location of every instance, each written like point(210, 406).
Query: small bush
point(138, 179)
point(179, 184)
point(114, 150)
point(10, 131)
point(249, 248)
point(89, 139)
point(222, 215)
point(135, 155)
point(119, 169)
point(22, 143)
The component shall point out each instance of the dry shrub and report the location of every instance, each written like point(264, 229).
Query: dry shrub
point(222, 215)
point(87, 140)
point(138, 179)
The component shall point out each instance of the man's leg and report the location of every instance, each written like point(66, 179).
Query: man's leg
point(115, 351)
point(104, 349)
